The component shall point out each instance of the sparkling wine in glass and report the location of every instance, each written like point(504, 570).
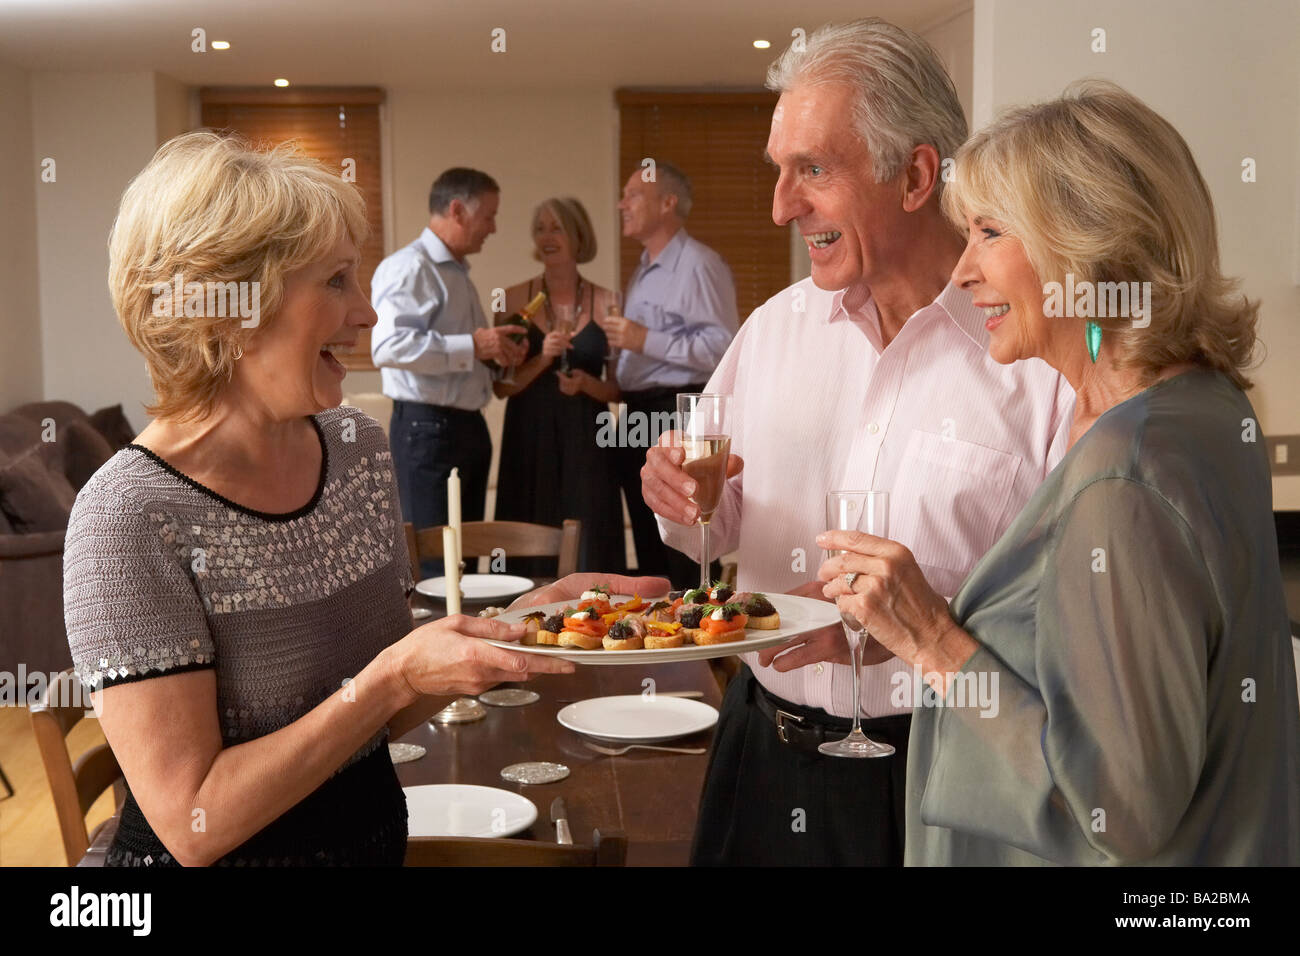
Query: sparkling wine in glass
point(565, 321)
point(614, 310)
point(705, 433)
point(856, 511)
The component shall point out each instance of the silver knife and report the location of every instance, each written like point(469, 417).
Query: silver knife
point(560, 817)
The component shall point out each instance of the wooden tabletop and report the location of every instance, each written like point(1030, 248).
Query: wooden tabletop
point(652, 797)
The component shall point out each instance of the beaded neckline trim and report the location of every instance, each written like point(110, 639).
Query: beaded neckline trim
point(263, 515)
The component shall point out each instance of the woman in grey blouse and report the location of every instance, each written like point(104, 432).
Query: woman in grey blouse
point(1113, 682)
point(236, 580)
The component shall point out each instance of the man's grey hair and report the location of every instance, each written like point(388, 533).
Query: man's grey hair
point(673, 182)
point(903, 96)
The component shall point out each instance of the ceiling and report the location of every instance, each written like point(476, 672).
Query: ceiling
point(433, 44)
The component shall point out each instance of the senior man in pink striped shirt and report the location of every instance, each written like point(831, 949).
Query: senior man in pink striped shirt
point(871, 374)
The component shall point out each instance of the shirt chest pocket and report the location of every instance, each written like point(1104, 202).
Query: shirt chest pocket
point(952, 504)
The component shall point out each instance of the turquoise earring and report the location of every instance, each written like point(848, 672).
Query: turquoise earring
point(1093, 336)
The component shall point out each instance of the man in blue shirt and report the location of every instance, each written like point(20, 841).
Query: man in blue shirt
point(679, 316)
point(430, 344)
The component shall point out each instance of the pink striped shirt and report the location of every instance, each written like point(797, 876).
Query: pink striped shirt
point(959, 441)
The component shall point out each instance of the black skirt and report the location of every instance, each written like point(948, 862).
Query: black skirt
point(356, 818)
point(553, 465)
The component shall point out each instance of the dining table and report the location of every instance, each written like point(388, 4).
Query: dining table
point(652, 797)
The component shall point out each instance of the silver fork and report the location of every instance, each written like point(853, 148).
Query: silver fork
point(612, 752)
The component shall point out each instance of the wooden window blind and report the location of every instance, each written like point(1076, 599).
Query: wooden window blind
point(331, 125)
point(718, 140)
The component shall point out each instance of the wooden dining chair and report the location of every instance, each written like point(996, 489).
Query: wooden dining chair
point(517, 539)
point(607, 849)
point(75, 786)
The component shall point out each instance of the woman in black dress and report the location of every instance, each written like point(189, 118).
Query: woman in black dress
point(552, 467)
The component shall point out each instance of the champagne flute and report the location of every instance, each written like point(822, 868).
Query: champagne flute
point(856, 511)
point(704, 423)
point(564, 319)
point(614, 310)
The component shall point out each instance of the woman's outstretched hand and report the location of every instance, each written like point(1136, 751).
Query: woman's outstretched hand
point(448, 657)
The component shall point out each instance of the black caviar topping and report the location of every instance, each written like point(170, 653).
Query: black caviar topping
point(691, 615)
point(622, 631)
point(729, 611)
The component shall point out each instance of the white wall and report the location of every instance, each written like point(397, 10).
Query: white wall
point(20, 319)
point(171, 107)
point(101, 129)
point(535, 145)
point(953, 40)
point(1228, 78)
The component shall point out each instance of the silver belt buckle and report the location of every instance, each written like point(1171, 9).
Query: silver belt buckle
point(781, 717)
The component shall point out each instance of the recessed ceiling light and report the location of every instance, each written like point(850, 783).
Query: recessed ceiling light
point(761, 44)
point(281, 82)
point(221, 44)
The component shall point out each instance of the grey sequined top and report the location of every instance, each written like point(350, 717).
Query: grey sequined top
point(162, 575)
point(1133, 700)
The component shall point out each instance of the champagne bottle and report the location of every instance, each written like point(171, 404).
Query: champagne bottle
point(523, 318)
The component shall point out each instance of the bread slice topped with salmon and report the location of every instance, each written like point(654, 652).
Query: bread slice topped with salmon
point(724, 624)
point(762, 615)
point(583, 629)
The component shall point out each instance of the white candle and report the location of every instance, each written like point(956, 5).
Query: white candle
point(453, 511)
point(450, 548)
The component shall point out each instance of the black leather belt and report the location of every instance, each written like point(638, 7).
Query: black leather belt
point(446, 411)
point(799, 727)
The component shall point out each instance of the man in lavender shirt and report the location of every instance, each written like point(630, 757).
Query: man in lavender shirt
point(679, 316)
point(870, 374)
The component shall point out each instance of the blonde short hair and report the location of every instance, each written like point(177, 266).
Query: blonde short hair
point(902, 95)
point(573, 219)
point(214, 210)
point(1098, 185)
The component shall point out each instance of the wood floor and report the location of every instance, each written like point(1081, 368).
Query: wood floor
point(29, 832)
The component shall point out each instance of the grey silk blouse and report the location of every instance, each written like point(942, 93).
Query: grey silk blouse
point(1133, 700)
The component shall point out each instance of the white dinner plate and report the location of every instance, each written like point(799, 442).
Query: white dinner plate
point(639, 718)
point(453, 809)
point(478, 587)
point(799, 615)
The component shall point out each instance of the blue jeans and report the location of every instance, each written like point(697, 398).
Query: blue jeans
point(428, 441)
